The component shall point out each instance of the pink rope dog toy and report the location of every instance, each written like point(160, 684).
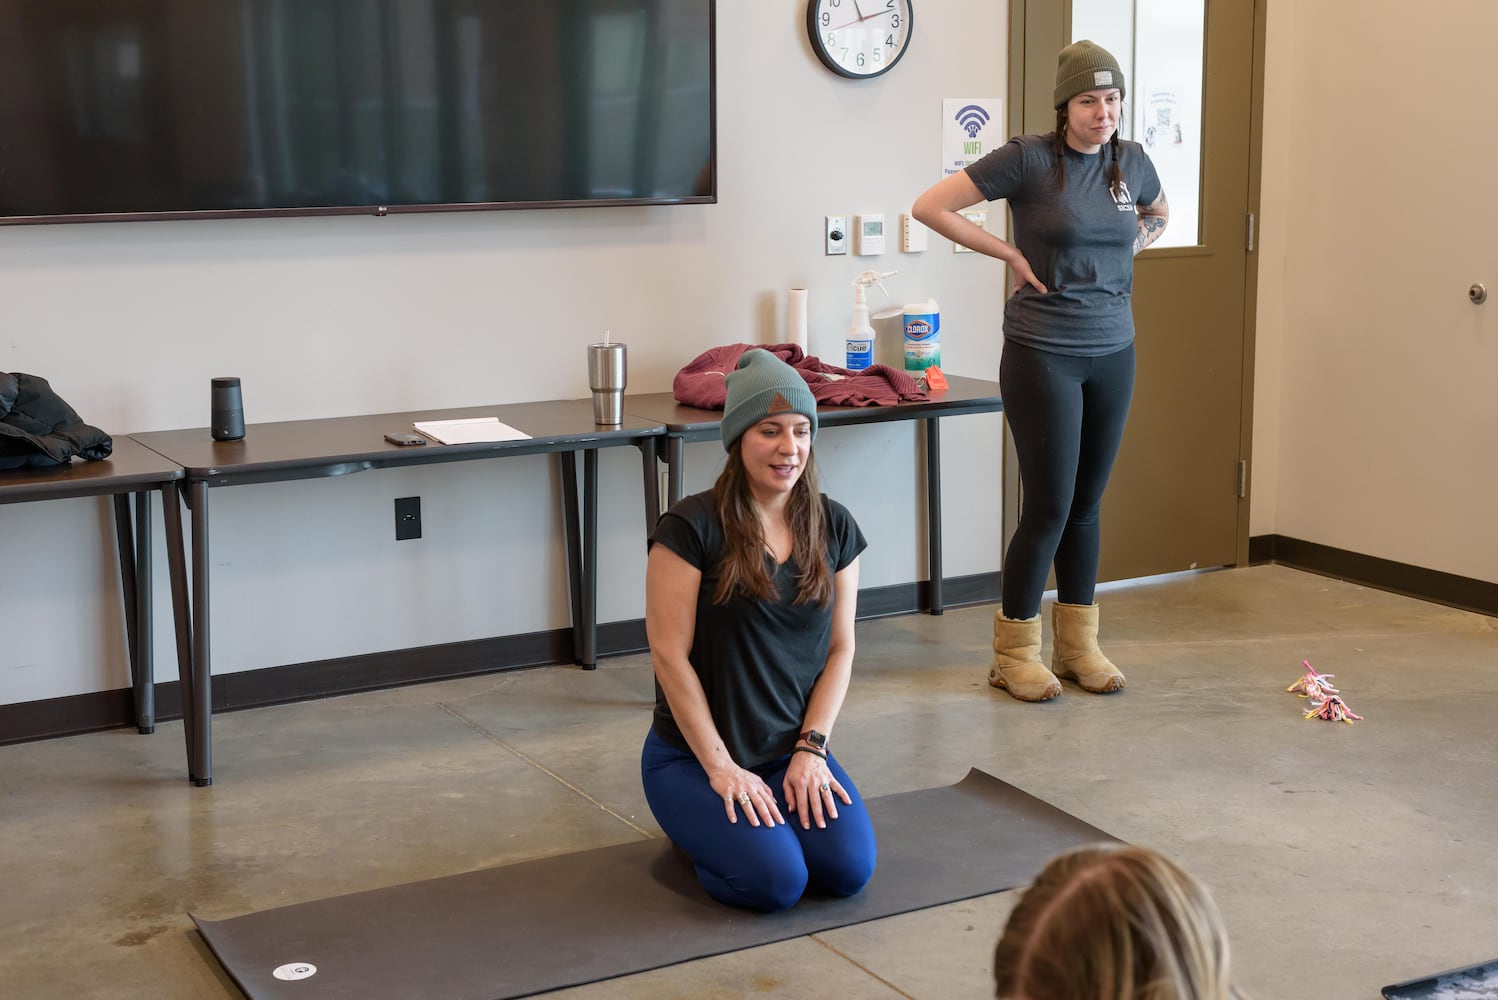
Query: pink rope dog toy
point(1326, 702)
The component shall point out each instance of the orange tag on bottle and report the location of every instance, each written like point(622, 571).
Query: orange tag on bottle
point(935, 379)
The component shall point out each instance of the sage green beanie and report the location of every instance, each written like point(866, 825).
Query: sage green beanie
point(761, 386)
point(1084, 66)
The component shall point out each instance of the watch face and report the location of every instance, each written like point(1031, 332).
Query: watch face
point(816, 739)
point(859, 38)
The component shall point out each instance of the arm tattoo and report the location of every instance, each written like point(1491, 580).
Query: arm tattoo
point(1152, 223)
point(1150, 227)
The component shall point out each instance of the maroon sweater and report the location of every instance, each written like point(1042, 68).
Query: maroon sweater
point(700, 383)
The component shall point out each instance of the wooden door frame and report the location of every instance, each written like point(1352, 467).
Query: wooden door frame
point(1036, 39)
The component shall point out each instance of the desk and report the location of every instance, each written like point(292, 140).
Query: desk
point(962, 395)
point(131, 470)
point(313, 449)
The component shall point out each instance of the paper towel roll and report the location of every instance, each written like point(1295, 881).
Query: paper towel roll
point(795, 318)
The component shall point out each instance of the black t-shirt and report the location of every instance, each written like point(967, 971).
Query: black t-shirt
point(1080, 241)
point(757, 660)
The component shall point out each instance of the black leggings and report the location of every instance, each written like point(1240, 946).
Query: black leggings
point(1067, 416)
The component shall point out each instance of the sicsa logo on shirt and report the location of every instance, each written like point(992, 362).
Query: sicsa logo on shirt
point(1122, 200)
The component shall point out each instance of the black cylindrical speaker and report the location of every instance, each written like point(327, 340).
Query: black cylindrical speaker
point(227, 419)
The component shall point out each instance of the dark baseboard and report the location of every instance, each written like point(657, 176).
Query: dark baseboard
point(77, 714)
point(74, 715)
point(906, 598)
point(1455, 591)
point(1261, 549)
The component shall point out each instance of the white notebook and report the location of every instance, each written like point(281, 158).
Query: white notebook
point(469, 430)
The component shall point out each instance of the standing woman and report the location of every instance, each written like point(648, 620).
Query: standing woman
point(750, 594)
point(1084, 203)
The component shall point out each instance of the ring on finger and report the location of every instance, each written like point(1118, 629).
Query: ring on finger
point(826, 787)
point(744, 799)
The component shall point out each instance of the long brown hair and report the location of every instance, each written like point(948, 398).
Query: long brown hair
point(1117, 922)
point(743, 567)
point(1058, 148)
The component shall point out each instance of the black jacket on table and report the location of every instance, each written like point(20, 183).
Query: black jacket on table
point(37, 427)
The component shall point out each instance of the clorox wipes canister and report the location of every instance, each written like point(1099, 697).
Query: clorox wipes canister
point(922, 335)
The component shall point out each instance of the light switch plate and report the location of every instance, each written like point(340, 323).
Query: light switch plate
point(977, 217)
point(835, 233)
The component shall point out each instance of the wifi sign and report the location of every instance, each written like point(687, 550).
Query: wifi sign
point(972, 118)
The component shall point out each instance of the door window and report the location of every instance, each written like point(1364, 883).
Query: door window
point(1159, 46)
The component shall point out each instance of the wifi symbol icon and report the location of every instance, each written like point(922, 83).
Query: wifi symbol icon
point(972, 118)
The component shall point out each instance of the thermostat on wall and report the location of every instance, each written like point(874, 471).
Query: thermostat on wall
point(868, 234)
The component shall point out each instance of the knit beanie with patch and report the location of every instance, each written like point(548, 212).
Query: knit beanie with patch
point(1084, 66)
point(761, 386)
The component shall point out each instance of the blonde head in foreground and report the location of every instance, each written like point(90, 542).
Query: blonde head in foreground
point(1114, 922)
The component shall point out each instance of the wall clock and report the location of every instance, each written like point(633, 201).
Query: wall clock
point(859, 39)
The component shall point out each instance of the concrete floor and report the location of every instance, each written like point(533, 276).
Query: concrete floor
point(1344, 857)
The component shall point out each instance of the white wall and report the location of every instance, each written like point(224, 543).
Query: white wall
point(324, 317)
point(1375, 403)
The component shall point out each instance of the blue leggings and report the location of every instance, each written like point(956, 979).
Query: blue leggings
point(1067, 416)
point(762, 867)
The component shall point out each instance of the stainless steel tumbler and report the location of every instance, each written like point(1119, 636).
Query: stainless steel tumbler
point(607, 378)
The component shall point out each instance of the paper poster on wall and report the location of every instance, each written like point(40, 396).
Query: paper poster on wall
point(970, 127)
point(1162, 118)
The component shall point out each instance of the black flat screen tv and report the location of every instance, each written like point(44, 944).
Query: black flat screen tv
point(116, 110)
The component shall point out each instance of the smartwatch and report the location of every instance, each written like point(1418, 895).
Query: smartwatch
point(816, 740)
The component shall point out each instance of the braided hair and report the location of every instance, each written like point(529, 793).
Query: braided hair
point(1058, 149)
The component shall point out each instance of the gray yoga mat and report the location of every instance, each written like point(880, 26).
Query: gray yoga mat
point(577, 918)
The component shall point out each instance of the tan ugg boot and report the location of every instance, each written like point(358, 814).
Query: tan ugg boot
point(1076, 655)
point(1017, 666)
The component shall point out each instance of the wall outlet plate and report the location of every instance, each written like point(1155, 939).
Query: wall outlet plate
point(912, 234)
point(407, 518)
point(977, 217)
point(835, 234)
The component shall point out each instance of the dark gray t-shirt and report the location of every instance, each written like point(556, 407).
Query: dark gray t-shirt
point(757, 660)
point(1079, 241)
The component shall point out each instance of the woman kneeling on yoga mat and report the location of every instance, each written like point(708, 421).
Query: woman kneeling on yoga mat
point(750, 593)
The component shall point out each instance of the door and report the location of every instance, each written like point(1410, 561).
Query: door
point(1177, 499)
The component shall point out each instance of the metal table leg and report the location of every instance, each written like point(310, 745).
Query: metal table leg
point(675, 469)
point(145, 679)
point(933, 511)
point(200, 764)
point(135, 583)
point(589, 657)
point(568, 460)
point(176, 561)
point(650, 461)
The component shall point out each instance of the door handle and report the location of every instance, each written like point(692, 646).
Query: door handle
point(1478, 293)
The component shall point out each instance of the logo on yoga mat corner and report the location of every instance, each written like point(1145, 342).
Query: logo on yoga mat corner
point(293, 971)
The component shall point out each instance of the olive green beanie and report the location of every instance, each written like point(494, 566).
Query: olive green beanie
point(1084, 66)
point(761, 386)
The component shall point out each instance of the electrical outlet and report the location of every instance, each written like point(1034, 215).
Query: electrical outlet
point(835, 231)
point(407, 518)
point(977, 217)
point(912, 234)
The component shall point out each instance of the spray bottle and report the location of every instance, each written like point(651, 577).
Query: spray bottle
point(860, 341)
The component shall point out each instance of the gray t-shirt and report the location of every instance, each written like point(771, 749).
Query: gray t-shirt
point(1079, 241)
point(757, 660)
